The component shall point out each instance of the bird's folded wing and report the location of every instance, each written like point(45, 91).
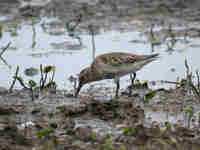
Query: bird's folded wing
point(118, 60)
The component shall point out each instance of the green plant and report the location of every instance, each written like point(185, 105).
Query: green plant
point(108, 145)
point(45, 132)
point(168, 125)
point(32, 84)
point(190, 83)
point(129, 131)
point(13, 29)
point(48, 140)
point(44, 74)
point(93, 138)
point(172, 39)
point(149, 95)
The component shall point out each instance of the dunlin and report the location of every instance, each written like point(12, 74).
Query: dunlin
point(113, 66)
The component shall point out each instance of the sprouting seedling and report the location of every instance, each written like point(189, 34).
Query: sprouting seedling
point(172, 40)
point(32, 84)
point(48, 139)
point(171, 33)
point(44, 74)
point(93, 138)
point(13, 29)
point(149, 95)
point(129, 131)
point(168, 125)
point(21, 81)
point(45, 132)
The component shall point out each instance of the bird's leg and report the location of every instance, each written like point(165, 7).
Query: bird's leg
point(132, 76)
point(118, 86)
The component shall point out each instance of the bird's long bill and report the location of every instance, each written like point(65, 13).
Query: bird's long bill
point(147, 59)
point(78, 89)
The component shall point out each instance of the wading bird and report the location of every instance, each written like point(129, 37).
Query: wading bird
point(113, 66)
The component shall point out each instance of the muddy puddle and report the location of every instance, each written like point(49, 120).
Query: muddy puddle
point(161, 113)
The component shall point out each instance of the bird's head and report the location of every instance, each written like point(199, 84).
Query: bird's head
point(85, 77)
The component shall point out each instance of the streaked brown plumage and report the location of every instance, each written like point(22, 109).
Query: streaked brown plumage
point(113, 66)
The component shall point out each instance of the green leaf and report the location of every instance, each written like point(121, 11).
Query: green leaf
point(32, 83)
point(129, 131)
point(93, 138)
point(168, 125)
point(150, 95)
point(45, 132)
point(48, 69)
point(172, 34)
point(60, 107)
point(189, 111)
point(108, 144)
point(15, 26)
point(21, 81)
point(57, 142)
point(51, 84)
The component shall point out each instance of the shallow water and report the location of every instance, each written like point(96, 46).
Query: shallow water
point(69, 61)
